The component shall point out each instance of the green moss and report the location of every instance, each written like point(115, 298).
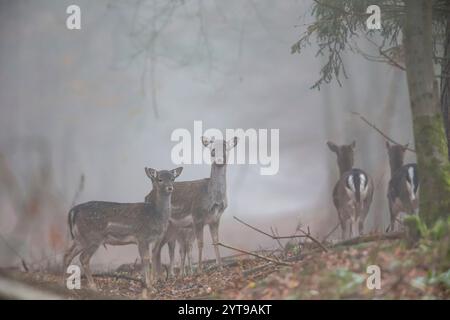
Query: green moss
point(434, 168)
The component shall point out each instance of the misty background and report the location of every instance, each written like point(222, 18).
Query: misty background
point(103, 101)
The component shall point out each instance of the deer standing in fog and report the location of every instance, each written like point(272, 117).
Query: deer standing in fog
point(97, 223)
point(353, 192)
point(205, 200)
point(403, 185)
point(181, 232)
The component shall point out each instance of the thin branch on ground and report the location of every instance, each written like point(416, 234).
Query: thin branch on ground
point(314, 240)
point(116, 276)
point(276, 234)
point(304, 235)
point(330, 233)
point(370, 238)
point(254, 255)
point(22, 260)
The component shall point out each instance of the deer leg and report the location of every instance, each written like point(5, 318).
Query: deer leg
point(85, 258)
point(343, 227)
point(71, 253)
point(362, 218)
point(182, 258)
point(171, 245)
point(360, 226)
point(392, 215)
point(156, 258)
point(189, 256)
point(214, 230)
point(199, 236)
point(144, 253)
point(68, 256)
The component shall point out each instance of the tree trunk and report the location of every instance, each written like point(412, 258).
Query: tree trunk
point(429, 133)
point(445, 84)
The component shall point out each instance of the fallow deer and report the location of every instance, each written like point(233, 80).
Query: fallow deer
point(403, 186)
point(205, 200)
point(353, 192)
point(97, 223)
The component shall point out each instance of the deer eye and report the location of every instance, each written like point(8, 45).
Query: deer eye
point(213, 152)
point(160, 180)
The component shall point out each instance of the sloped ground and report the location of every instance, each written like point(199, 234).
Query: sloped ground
point(422, 272)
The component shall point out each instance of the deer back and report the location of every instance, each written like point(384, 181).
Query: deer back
point(355, 187)
point(404, 184)
point(113, 223)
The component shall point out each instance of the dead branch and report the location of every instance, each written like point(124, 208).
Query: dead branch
point(330, 233)
point(254, 255)
point(248, 272)
point(22, 260)
point(371, 237)
point(117, 276)
point(276, 234)
point(79, 190)
point(305, 235)
point(267, 234)
point(229, 264)
point(378, 130)
point(314, 240)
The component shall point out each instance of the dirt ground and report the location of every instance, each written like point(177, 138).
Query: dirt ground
point(340, 273)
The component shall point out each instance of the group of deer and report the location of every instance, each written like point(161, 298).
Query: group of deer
point(172, 212)
point(353, 192)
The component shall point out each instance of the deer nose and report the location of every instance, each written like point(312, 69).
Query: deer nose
point(169, 189)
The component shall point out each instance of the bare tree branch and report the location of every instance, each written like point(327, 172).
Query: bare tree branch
point(378, 130)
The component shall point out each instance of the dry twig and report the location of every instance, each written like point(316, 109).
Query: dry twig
point(370, 238)
point(255, 255)
point(378, 130)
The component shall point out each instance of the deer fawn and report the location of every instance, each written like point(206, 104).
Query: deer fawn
point(352, 194)
point(205, 200)
point(181, 232)
point(97, 223)
point(403, 186)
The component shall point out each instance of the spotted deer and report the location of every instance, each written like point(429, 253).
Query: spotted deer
point(353, 192)
point(403, 186)
point(97, 223)
point(205, 200)
point(181, 232)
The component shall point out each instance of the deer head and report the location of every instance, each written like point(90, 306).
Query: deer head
point(344, 155)
point(396, 154)
point(219, 149)
point(163, 180)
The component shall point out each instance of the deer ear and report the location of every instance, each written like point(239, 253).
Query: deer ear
point(206, 141)
point(176, 172)
point(388, 146)
point(151, 173)
point(353, 145)
point(232, 143)
point(332, 146)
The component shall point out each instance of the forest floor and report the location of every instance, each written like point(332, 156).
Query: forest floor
point(421, 272)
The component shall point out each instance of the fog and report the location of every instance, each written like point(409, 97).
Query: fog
point(103, 101)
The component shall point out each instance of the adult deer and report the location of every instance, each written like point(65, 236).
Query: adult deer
point(205, 200)
point(403, 186)
point(353, 192)
point(97, 223)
